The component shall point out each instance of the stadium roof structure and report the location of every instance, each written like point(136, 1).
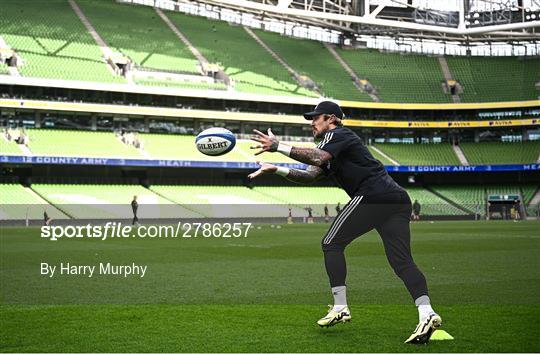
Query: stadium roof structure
point(450, 20)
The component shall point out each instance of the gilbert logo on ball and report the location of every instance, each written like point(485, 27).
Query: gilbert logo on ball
point(215, 141)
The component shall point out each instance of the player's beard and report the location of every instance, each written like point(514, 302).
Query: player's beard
point(317, 134)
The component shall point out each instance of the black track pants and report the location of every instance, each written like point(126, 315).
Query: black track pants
point(389, 214)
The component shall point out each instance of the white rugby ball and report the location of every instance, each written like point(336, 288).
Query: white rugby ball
point(215, 141)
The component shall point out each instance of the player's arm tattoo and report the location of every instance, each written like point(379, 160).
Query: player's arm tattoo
point(311, 174)
point(310, 156)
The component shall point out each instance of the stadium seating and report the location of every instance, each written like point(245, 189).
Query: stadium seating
point(179, 84)
point(141, 35)
point(321, 67)
point(487, 79)
point(470, 196)
point(302, 197)
point(9, 147)
point(52, 42)
point(91, 201)
point(501, 153)
point(528, 191)
point(223, 201)
point(379, 157)
point(250, 66)
point(466, 196)
point(502, 189)
point(4, 69)
point(399, 77)
point(79, 143)
point(420, 154)
point(182, 147)
point(432, 204)
point(18, 203)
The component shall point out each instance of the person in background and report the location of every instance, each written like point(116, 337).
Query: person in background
point(517, 214)
point(289, 218)
point(46, 219)
point(416, 210)
point(338, 208)
point(477, 211)
point(134, 207)
point(310, 215)
point(326, 214)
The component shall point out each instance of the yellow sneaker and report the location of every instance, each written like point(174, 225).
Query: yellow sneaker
point(422, 333)
point(334, 317)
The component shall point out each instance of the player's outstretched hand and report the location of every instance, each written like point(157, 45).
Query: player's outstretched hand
point(265, 168)
point(267, 142)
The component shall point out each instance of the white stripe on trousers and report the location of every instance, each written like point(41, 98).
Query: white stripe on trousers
point(341, 218)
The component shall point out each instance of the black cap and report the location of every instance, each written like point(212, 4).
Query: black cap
point(325, 107)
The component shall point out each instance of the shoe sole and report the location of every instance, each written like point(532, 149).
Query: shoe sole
point(335, 323)
point(424, 337)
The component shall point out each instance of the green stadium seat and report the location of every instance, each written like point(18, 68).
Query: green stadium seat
point(79, 143)
point(251, 67)
point(486, 79)
point(9, 147)
point(4, 69)
point(432, 204)
point(399, 77)
point(92, 201)
point(148, 81)
point(52, 42)
point(141, 35)
point(420, 154)
point(19, 203)
point(321, 67)
point(501, 152)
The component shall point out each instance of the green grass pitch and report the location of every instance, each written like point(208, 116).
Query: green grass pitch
point(264, 293)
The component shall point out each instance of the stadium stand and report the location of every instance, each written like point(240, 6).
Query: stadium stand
point(528, 191)
point(223, 201)
point(432, 204)
point(303, 197)
point(501, 152)
point(271, 201)
point(250, 66)
point(420, 154)
point(469, 196)
point(503, 189)
point(180, 147)
point(9, 147)
point(141, 35)
point(379, 157)
point(399, 77)
point(79, 143)
point(321, 67)
point(4, 69)
point(150, 81)
point(18, 203)
point(465, 196)
point(85, 201)
point(487, 79)
point(196, 194)
point(49, 142)
point(52, 42)
point(183, 147)
point(91, 201)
